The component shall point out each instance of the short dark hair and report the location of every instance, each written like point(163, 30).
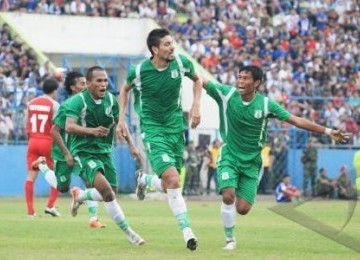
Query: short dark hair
point(90, 72)
point(50, 85)
point(285, 176)
point(155, 36)
point(70, 80)
point(256, 72)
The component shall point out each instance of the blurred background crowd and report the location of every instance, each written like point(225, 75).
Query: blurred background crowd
point(310, 51)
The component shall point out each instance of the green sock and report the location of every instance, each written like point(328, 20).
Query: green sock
point(92, 211)
point(229, 232)
point(183, 220)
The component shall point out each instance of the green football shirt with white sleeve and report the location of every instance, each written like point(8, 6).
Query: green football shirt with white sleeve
point(243, 125)
point(158, 94)
point(93, 113)
point(60, 120)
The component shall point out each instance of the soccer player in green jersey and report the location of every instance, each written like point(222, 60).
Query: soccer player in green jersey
point(243, 121)
point(91, 117)
point(60, 178)
point(156, 83)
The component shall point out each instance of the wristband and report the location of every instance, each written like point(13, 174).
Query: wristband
point(328, 131)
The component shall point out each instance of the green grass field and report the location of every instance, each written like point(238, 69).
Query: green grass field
point(261, 235)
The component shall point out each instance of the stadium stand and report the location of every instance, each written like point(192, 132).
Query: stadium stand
point(310, 50)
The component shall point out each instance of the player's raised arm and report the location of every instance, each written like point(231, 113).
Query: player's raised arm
point(336, 135)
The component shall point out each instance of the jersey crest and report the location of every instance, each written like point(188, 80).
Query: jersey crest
point(108, 111)
point(258, 114)
point(174, 74)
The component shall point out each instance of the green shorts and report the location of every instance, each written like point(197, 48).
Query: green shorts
point(244, 178)
point(90, 164)
point(164, 150)
point(63, 174)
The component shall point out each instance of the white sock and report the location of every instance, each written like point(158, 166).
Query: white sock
point(178, 207)
point(117, 215)
point(49, 175)
point(89, 194)
point(228, 216)
point(156, 182)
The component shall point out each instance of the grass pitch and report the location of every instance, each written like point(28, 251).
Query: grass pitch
point(261, 234)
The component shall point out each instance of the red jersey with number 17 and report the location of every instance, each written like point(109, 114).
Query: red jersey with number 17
point(40, 111)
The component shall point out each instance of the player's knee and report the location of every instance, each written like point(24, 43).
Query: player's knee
point(243, 209)
point(171, 181)
point(228, 197)
point(108, 195)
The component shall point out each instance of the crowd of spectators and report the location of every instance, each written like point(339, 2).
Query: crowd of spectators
point(310, 50)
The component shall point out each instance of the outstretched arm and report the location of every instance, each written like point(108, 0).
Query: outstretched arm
point(336, 135)
point(194, 115)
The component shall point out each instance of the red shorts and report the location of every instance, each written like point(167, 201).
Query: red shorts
point(39, 147)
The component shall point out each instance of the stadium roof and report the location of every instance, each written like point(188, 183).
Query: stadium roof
point(81, 35)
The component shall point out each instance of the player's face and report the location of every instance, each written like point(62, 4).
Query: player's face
point(245, 84)
point(98, 84)
point(166, 48)
point(79, 86)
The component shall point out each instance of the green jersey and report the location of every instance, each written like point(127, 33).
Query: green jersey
point(158, 94)
point(60, 120)
point(93, 113)
point(243, 124)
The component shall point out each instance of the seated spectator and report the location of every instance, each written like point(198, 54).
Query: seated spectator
point(285, 192)
point(325, 186)
point(345, 188)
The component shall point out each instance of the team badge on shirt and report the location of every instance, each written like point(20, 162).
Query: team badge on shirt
point(174, 74)
point(258, 114)
point(108, 111)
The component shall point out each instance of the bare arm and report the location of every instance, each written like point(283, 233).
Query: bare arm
point(55, 132)
point(128, 138)
point(122, 130)
point(303, 123)
point(72, 127)
point(194, 115)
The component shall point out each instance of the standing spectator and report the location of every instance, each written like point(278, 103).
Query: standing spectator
point(214, 153)
point(285, 192)
point(192, 161)
point(6, 126)
point(40, 111)
point(356, 163)
point(325, 186)
point(157, 86)
point(267, 160)
point(309, 160)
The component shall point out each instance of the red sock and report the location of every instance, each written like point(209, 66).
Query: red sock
point(54, 193)
point(29, 197)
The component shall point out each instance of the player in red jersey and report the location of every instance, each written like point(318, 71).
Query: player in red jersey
point(40, 112)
